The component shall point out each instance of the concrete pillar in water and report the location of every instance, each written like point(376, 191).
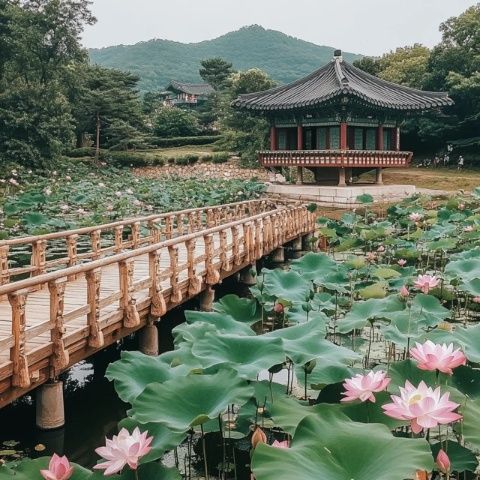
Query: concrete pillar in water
point(50, 410)
point(307, 241)
point(297, 244)
point(248, 275)
point(148, 340)
point(207, 298)
point(278, 255)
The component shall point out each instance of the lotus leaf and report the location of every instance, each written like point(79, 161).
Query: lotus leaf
point(290, 286)
point(247, 355)
point(331, 446)
point(134, 371)
point(313, 265)
point(243, 310)
point(185, 402)
point(222, 322)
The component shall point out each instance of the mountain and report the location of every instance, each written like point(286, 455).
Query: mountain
point(156, 62)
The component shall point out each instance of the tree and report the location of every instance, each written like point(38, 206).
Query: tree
point(175, 122)
point(370, 65)
point(39, 41)
point(216, 72)
point(406, 66)
point(103, 98)
point(242, 131)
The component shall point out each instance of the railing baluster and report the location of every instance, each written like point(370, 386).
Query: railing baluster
point(168, 227)
point(95, 335)
point(194, 281)
point(39, 253)
point(72, 253)
point(155, 232)
point(131, 318)
point(61, 356)
point(118, 239)
point(4, 268)
point(237, 259)
point(226, 266)
point(258, 239)
point(212, 274)
point(18, 357)
point(95, 237)
point(158, 307)
point(135, 234)
point(176, 295)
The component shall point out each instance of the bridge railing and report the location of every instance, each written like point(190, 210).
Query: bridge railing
point(36, 255)
point(210, 255)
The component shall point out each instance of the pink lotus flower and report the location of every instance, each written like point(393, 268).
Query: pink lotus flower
point(278, 444)
point(443, 462)
point(404, 293)
point(362, 387)
point(431, 356)
point(123, 449)
point(415, 216)
point(476, 299)
point(426, 282)
point(58, 469)
point(461, 206)
point(402, 262)
point(423, 406)
point(381, 249)
point(468, 228)
point(371, 256)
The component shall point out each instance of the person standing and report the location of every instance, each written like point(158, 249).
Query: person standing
point(461, 162)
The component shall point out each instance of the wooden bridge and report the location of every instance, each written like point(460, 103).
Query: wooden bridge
point(85, 289)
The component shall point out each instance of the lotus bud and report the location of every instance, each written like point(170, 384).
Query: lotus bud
point(421, 475)
point(404, 293)
point(402, 262)
point(443, 462)
point(278, 308)
point(476, 299)
point(258, 437)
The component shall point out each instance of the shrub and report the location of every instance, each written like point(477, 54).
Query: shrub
point(206, 158)
point(175, 122)
point(220, 157)
point(183, 141)
point(81, 152)
point(183, 160)
point(135, 159)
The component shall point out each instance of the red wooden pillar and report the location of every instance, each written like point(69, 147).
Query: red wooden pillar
point(273, 139)
point(380, 145)
point(343, 136)
point(299, 137)
point(396, 144)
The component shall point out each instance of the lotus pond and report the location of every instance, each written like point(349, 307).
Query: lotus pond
point(79, 194)
point(360, 362)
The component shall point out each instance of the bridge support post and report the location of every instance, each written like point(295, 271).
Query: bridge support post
point(307, 242)
point(379, 176)
point(50, 410)
point(148, 340)
point(278, 255)
point(248, 275)
point(207, 298)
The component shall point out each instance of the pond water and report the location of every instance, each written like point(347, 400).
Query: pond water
point(92, 408)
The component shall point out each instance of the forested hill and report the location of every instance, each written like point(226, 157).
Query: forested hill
point(156, 62)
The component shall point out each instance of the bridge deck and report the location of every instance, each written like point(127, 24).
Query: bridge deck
point(56, 318)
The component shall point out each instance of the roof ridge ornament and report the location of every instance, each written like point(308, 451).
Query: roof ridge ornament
point(338, 59)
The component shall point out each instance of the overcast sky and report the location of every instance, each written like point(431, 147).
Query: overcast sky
point(369, 27)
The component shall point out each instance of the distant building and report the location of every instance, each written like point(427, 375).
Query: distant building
point(187, 94)
point(338, 122)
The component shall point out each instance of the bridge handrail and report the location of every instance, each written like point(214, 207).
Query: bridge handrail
point(250, 239)
point(166, 225)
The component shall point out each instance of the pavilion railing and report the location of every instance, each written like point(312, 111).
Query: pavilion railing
point(36, 255)
point(335, 158)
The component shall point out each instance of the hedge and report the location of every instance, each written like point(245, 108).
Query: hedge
point(183, 141)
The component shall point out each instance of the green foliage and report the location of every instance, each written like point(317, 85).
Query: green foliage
point(175, 122)
point(216, 72)
point(184, 141)
point(220, 157)
point(283, 57)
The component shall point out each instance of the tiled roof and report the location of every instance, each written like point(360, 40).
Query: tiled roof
point(191, 88)
point(338, 79)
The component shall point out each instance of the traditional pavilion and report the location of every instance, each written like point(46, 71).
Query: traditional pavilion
point(187, 94)
point(338, 122)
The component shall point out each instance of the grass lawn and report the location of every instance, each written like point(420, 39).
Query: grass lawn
point(431, 178)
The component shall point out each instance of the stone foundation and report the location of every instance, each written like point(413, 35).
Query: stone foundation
point(227, 171)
